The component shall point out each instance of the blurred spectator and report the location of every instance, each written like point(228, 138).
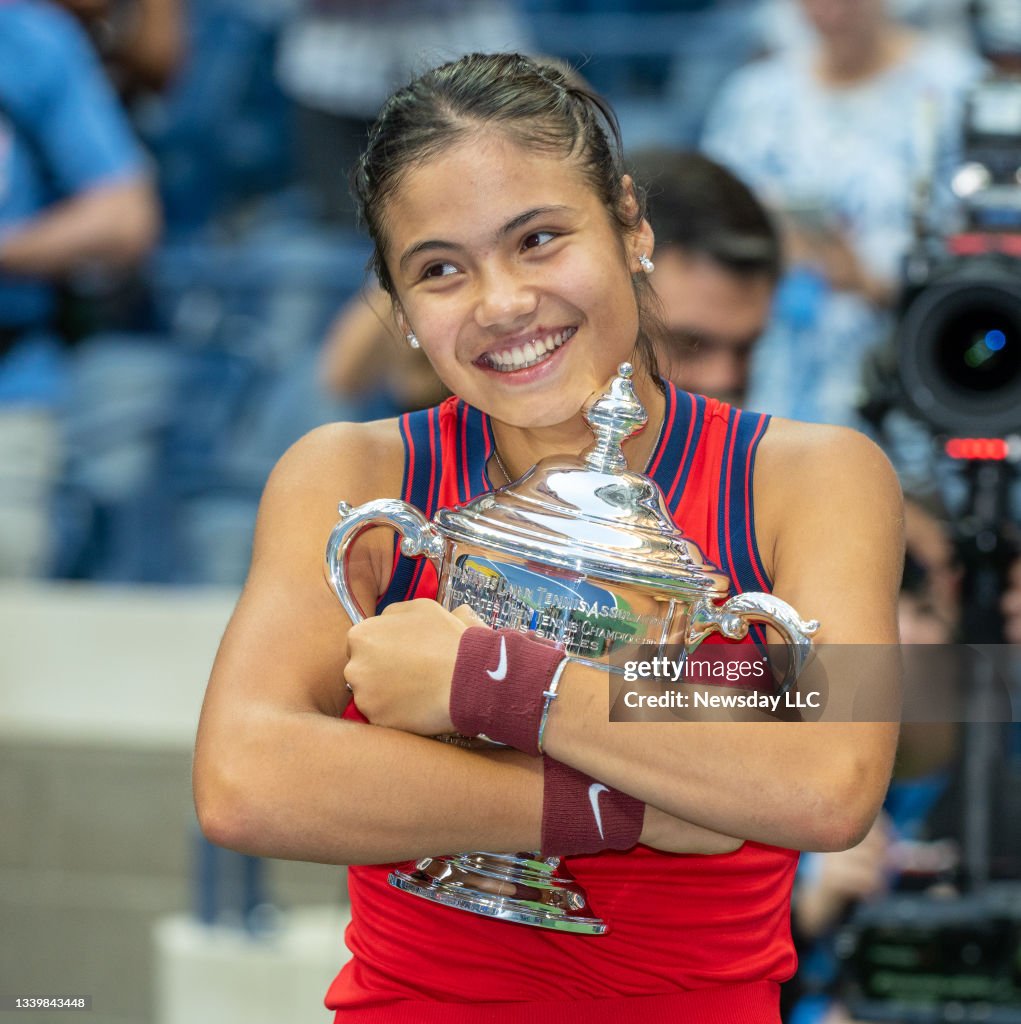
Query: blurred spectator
point(920, 843)
point(221, 132)
point(659, 61)
point(784, 24)
point(74, 193)
point(141, 42)
point(366, 360)
point(717, 263)
point(339, 59)
point(830, 885)
point(1012, 605)
point(928, 537)
point(836, 138)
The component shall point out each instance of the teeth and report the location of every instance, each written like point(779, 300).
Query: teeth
point(528, 354)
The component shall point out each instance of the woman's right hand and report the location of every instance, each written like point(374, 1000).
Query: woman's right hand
point(672, 835)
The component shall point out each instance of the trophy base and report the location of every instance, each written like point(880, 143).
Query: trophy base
point(519, 888)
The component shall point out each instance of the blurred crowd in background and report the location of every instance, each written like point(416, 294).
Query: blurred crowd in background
point(183, 289)
point(176, 237)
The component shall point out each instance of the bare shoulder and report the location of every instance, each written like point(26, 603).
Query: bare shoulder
point(352, 462)
point(285, 642)
point(816, 462)
point(830, 485)
point(355, 461)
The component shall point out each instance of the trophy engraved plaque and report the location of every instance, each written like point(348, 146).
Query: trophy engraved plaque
point(582, 552)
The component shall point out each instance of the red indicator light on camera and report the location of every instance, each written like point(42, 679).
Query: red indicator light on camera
point(976, 449)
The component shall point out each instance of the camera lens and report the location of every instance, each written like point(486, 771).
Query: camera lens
point(978, 350)
point(959, 351)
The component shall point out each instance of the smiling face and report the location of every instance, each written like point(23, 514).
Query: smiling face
point(514, 276)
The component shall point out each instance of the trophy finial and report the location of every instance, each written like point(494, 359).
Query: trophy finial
point(614, 416)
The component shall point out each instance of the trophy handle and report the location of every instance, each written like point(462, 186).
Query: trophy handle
point(418, 537)
point(733, 618)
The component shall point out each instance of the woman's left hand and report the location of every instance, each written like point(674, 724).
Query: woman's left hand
point(400, 664)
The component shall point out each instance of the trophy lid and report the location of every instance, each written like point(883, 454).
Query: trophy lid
point(590, 514)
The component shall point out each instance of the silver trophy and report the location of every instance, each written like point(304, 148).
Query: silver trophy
point(582, 552)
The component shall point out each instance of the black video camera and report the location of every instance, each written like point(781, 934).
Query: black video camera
point(958, 346)
point(918, 960)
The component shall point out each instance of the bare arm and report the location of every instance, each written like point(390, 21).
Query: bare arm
point(276, 771)
point(831, 531)
point(114, 224)
point(842, 879)
point(360, 340)
point(364, 353)
point(830, 525)
point(830, 251)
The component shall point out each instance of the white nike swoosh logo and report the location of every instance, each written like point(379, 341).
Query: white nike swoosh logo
point(499, 673)
point(593, 794)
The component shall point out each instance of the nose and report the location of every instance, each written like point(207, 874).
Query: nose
point(505, 298)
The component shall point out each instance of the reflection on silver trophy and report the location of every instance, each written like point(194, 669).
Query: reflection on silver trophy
point(582, 552)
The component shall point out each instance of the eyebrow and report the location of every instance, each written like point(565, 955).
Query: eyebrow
point(514, 224)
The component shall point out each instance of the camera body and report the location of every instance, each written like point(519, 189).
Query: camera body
point(955, 363)
point(929, 960)
point(958, 345)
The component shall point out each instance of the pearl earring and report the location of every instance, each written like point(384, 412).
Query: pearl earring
point(413, 342)
point(646, 264)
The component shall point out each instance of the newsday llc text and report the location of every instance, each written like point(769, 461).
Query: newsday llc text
point(742, 679)
point(837, 683)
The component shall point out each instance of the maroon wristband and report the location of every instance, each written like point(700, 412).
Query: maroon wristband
point(499, 683)
point(581, 815)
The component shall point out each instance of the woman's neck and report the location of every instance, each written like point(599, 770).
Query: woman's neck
point(844, 61)
point(520, 448)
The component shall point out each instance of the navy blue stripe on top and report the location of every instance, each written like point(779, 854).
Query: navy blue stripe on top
point(423, 464)
point(475, 437)
point(735, 522)
point(735, 516)
point(671, 465)
point(678, 448)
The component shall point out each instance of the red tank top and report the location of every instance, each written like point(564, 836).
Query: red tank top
point(692, 938)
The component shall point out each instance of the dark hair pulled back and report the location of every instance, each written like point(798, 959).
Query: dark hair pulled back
point(539, 105)
point(704, 209)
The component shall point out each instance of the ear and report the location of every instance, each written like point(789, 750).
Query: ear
point(640, 239)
